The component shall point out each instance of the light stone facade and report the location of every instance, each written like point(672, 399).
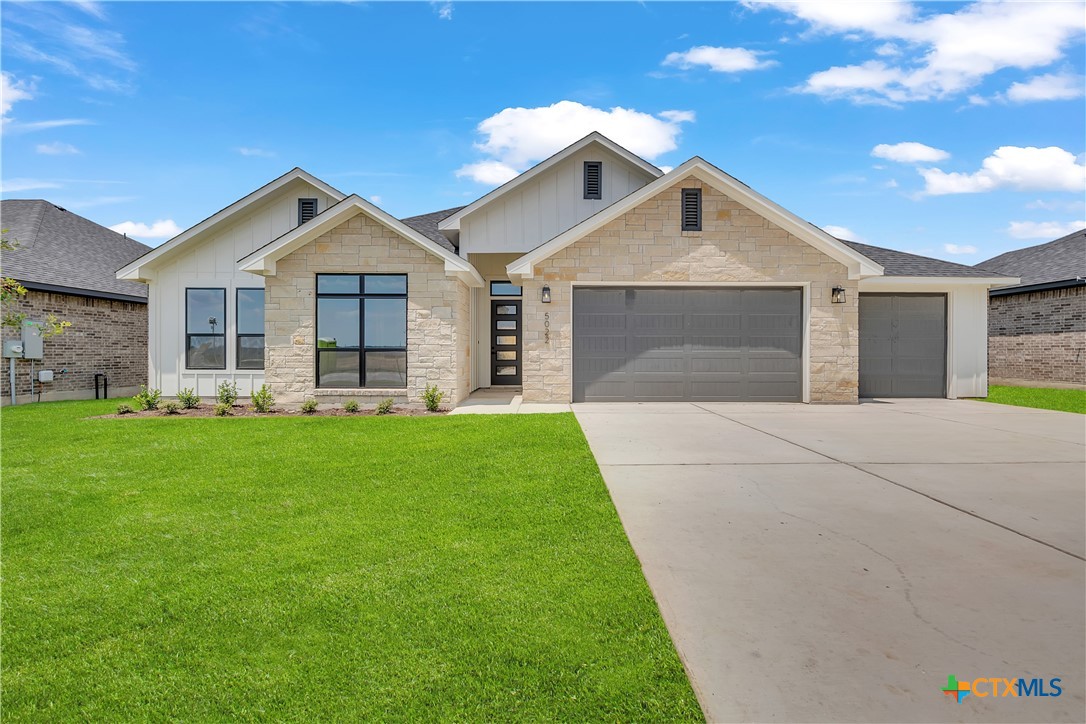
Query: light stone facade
point(438, 314)
point(647, 245)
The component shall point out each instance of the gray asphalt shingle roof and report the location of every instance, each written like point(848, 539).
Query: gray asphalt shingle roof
point(426, 224)
point(902, 264)
point(62, 249)
point(1056, 261)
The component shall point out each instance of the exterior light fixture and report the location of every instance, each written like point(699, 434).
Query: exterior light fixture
point(546, 298)
point(838, 295)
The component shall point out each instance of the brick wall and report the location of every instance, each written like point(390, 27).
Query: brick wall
point(437, 308)
point(735, 245)
point(106, 336)
point(1038, 336)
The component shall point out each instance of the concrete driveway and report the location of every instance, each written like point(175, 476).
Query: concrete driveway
point(838, 563)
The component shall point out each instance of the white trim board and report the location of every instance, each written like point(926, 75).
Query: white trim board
point(859, 266)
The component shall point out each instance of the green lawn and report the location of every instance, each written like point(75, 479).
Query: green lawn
point(1043, 398)
point(450, 568)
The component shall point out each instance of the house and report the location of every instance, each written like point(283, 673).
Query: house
point(592, 276)
point(68, 265)
point(1037, 328)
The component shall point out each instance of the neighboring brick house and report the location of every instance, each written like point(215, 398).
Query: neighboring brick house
point(1037, 328)
point(68, 265)
point(592, 276)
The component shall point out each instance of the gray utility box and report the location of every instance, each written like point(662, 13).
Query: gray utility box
point(33, 344)
point(13, 348)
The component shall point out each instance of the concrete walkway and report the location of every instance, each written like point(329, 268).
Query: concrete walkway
point(498, 401)
point(838, 563)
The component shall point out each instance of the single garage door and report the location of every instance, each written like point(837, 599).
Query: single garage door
point(902, 345)
point(684, 343)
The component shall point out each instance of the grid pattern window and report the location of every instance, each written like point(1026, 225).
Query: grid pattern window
point(691, 209)
point(362, 330)
point(250, 334)
point(205, 329)
point(593, 179)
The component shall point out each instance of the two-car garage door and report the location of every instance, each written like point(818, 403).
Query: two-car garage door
point(685, 343)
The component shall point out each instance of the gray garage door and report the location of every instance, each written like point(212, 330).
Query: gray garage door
point(902, 345)
point(681, 343)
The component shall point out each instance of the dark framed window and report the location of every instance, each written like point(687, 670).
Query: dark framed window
point(205, 329)
point(250, 332)
point(307, 209)
point(362, 330)
point(691, 209)
point(505, 289)
point(593, 179)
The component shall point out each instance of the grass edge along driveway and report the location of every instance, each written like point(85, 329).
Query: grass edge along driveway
point(455, 568)
point(1042, 398)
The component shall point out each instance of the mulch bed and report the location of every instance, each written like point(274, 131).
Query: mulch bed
point(206, 410)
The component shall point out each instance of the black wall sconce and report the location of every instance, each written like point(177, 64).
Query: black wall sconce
point(546, 298)
point(838, 295)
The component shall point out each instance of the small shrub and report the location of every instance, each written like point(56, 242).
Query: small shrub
point(228, 393)
point(384, 407)
point(432, 397)
point(172, 408)
point(222, 409)
point(351, 405)
point(148, 399)
point(125, 410)
point(309, 407)
point(263, 399)
point(188, 398)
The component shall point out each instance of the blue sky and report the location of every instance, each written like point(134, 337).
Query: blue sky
point(949, 129)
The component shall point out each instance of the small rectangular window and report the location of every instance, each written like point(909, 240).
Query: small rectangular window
point(691, 209)
point(205, 329)
point(250, 334)
point(504, 289)
point(593, 179)
point(362, 330)
point(307, 209)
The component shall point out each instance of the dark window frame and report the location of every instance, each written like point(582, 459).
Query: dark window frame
point(238, 335)
point(301, 204)
point(189, 335)
point(362, 349)
point(507, 296)
point(696, 194)
point(598, 193)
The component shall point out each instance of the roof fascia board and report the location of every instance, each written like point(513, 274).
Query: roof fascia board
point(859, 266)
point(452, 222)
point(890, 281)
point(262, 261)
point(133, 270)
point(1039, 287)
point(77, 292)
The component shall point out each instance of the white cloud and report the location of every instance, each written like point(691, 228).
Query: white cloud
point(256, 152)
point(959, 249)
point(1022, 169)
point(720, 60)
point(162, 229)
point(444, 10)
point(1076, 205)
point(1044, 229)
point(841, 232)
point(891, 184)
point(942, 54)
point(56, 148)
point(515, 138)
point(909, 152)
point(13, 126)
point(1048, 87)
point(26, 184)
point(666, 169)
point(375, 199)
point(12, 91)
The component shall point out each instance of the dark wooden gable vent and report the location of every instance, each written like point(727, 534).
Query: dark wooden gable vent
point(593, 179)
point(307, 209)
point(691, 209)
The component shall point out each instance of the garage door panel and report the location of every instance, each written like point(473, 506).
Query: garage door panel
point(902, 345)
point(715, 344)
point(642, 343)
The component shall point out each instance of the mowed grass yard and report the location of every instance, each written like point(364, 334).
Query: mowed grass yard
point(448, 568)
point(1044, 398)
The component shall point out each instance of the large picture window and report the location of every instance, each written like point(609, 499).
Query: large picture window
point(205, 329)
point(250, 334)
point(362, 330)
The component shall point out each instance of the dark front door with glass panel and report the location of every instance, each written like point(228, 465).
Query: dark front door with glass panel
point(505, 342)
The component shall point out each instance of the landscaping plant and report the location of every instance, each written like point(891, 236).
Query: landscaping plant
point(384, 407)
point(351, 405)
point(222, 409)
point(148, 399)
point(309, 407)
point(172, 408)
point(228, 393)
point(123, 409)
point(263, 399)
point(188, 398)
point(432, 396)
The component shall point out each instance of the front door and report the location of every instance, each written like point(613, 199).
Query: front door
point(505, 362)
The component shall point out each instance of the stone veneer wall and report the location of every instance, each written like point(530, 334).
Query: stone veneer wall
point(437, 317)
point(106, 336)
point(648, 245)
point(1038, 336)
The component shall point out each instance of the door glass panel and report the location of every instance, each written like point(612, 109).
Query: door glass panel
point(506, 340)
point(507, 309)
point(507, 356)
point(503, 324)
point(505, 371)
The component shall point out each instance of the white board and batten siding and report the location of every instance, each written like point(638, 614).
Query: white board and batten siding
point(212, 262)
point(547, 205)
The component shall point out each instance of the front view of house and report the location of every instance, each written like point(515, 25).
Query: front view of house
point(593, 276)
